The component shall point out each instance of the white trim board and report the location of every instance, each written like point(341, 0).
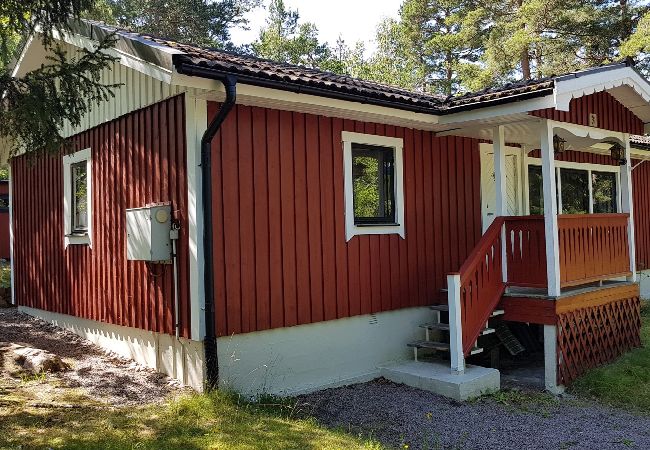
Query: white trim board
point(351, 229)
point(68, 161)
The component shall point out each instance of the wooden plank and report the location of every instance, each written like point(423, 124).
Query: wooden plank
point(313, 218)
point(302, 222)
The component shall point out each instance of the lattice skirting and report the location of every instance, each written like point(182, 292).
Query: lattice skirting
point(590, 337)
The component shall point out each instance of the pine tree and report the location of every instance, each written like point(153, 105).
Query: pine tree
point(64, 88)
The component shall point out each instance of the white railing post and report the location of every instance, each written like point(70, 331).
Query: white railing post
point(501, 204)
point(627, 206)
point(550, 209)
point(455, 324)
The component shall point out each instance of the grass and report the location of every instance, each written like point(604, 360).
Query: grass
point(71, 420)
point(625, 382)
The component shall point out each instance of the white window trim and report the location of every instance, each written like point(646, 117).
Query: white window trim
point(587, 167)
point(68, 161)
point(351, 229)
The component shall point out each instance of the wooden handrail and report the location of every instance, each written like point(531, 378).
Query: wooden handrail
point(480, 286)
point(486, 241)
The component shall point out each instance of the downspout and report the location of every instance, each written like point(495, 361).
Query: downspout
point(210, 342)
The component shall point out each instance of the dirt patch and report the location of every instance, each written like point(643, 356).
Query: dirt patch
point(93, 372)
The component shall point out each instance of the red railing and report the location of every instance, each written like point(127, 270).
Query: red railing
point(481, 284)
point(592, 247)
point(526, 251)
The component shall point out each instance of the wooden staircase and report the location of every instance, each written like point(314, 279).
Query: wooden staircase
point(441, 328)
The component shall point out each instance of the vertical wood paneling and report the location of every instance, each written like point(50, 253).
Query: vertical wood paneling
point(130, 168)
point(611, 114)
point(641, 197)
point(283, 173)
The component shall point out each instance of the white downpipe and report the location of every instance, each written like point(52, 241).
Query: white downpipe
point(455, 325)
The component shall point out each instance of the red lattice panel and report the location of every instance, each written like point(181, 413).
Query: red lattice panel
point(590, 337)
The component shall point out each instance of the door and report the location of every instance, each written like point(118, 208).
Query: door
point(488, 184)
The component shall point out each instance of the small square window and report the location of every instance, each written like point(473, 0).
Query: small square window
point(374, 193)
point(77, 202)
point(374, 184)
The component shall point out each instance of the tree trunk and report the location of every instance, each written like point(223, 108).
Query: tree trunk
point(525, 57)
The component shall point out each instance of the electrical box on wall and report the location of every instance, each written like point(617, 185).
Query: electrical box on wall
point(147, 233)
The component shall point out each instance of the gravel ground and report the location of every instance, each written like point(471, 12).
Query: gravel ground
point(104, 377)
point(404, 417)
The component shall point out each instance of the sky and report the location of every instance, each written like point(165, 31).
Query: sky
point(353, 19)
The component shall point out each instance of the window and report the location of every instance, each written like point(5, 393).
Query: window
point(4, 202)
point(374, 197)
point(575, 191)
point(580, 191)
point(77, 200)
point(373, 184)
point(79, 197)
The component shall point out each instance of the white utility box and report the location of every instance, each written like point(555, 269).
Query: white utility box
point(147, 233)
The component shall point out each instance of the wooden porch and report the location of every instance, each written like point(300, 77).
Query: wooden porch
point(572, 273)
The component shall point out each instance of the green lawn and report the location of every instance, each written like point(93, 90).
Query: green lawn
point(626, 382)
point(215, 421)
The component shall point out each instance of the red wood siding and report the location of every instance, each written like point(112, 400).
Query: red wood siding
point(136, 159)
point(612, 115)
point(281, 257)
point(4, 224)
point(641, 195)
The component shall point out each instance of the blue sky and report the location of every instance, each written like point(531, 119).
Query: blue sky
point(353, 19)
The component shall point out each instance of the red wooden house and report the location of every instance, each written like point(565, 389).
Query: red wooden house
point(281, 229)
point(4, 220)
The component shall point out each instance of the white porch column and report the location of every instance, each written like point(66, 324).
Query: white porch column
point(627, 206)
point(501, 204)
point(550, 360)
point(550, 210)
point(455, 324)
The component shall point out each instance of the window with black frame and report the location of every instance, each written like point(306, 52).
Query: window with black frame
point(4, 202)
point(373, 183)
point(79, 178)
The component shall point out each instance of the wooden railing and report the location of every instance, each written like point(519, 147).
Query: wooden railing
point(593, 247)
point(478, 285)
point(526, 251)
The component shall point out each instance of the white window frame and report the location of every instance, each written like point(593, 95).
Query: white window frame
point(68, 161)
point(351, 229)
point(587, 167)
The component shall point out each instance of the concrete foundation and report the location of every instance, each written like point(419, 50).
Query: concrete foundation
point(437, 377)
point(181, 359)
point(304, 358)
point(644, 283)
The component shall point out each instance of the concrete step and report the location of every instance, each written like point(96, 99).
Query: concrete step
point(497, 312)
point(440, 346)
point(445, 327)
point(439, 307)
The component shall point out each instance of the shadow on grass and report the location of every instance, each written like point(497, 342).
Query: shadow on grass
point(192, 422)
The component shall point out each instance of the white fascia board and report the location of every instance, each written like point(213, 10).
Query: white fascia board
point(130, 60)
point(21, 57)
point(313, 104)
point(569, 87)
point(490, 112)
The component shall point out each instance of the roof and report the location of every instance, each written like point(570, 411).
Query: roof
point(207, 62)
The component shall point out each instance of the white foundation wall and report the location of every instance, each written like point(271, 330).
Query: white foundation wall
point(288, 361)
point(181, 359)
point(644, 283)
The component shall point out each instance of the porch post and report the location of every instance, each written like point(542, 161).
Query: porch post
point(501, 204)
point(455, 324)
point(550, 210)
point(627, 206)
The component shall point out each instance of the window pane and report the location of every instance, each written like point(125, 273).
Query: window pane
point(604, 191)
point(80, 196)
point(575, 191)
point(373, 184)
point(535, 190)
point(4, 201)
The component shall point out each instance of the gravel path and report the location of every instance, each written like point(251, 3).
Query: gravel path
point(104, 377)
point(400, 416)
